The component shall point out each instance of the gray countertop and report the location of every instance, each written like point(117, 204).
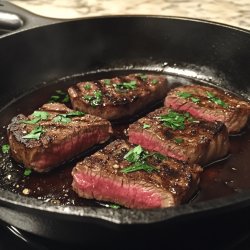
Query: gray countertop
point(232, 12)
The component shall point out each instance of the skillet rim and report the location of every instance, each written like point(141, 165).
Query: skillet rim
point(125, 216)
point(54, 21)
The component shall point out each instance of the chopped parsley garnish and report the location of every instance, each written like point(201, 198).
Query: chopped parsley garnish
point(134, 154)
point(138, 157)
point(216, 100)
point(59, 96)
point(189, 95)
point(65, 118)
point(107, 81)
point(174, 120)
point(87, 87)
point(145, 126)
point(62, 118)
point(178, 140)
point(125, 85)
point(154, 81)
point(138, 166)
point(195, 99)
point(95, 99)
point(27, 172)
point(54, 98)
point(5, 148)
point(184, 95)
point(75, 113)
point(35, 133)
point(39, 115)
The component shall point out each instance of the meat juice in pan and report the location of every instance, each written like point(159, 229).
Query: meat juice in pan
point(227, 176)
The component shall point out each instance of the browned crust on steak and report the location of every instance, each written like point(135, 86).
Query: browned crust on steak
point(117, 104)
point(234, 115)
point(202, 141)
point(57, 141)
point(174, 181)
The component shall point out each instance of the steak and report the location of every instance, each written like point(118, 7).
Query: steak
point(210, 104)
point(181, 136)
point(108, 175)
point(118, 97)
point(53, 135)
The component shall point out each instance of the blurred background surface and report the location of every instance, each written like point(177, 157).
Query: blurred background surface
point(232, 12)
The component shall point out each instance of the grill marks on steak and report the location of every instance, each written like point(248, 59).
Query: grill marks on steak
point(199, 142)
point(232, 111)
point(59, 142)
point(99, 177)
point(118, 97)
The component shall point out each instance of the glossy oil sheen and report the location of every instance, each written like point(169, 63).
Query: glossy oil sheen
point(219, 179)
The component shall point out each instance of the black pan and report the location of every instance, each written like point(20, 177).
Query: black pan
point(40, 50)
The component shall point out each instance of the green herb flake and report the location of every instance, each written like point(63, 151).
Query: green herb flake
point(95, 99)
point(195, 99)
point(65, 118)
point(154, 81)
point(54, 98)
point(65, 99)
point(178, 140)
point(138, 156)
point(5, 148)
point(87, 86)
point(139, 166)
point(126, 85)
point(189, 95)
point(107, 81)
point(98, 98)
point(27, 172)
point(59, 96)
point(62, 118)
point(35, 133)
point(216, 100)
point(39, 115)
point(174, 120)
point(184, 95)
point(134, 154)
point(75, 113)
point(145, 126)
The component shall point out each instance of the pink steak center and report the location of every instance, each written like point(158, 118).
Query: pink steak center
point(68, 149)
point(103, 188)
point(152, 144)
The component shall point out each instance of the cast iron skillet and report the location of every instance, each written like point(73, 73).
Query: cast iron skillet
point(41, 50)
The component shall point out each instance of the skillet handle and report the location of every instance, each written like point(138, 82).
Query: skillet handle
point(14, 19)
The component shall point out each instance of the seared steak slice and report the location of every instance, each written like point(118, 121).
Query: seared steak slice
point(210, 104)
point(105, 176)
point(118, 97)
point(179, 135)
point(53, 135)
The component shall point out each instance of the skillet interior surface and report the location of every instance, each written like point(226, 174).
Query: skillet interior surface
point(199, 50)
